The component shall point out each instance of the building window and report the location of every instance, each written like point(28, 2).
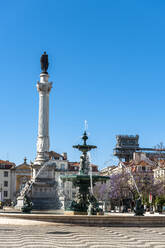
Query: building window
point(143, 168)
point(5, 193)
point(62, 166)
point(73, 194)
point(5, 183)
point(6, 173)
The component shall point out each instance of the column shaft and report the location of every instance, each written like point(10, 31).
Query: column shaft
point(43, 88)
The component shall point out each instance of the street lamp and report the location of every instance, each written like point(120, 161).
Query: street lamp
point(0, 195)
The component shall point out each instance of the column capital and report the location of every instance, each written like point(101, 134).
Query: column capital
point(44, 87)
point(44, 77)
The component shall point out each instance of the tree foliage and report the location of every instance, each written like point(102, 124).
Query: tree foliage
point(121, 186)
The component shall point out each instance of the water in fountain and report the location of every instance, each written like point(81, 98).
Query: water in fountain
point(89, 161)
point(29, 184)
point(86, 125)
point(122, 164)
point(90, 173)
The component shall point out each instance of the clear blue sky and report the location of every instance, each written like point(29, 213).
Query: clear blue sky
point(107, 64)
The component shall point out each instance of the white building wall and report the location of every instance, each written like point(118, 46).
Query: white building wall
point(5, 184)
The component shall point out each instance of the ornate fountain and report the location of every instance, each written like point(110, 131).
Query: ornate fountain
point(84, 201)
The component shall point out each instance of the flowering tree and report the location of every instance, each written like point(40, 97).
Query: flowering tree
point(146, 185)
point(119, 185)
point(121, 189)
point(100, 191)
point(116, 190)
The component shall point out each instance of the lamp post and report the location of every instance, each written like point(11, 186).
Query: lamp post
point(1, 195)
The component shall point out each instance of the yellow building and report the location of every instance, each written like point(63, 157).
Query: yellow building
point(21, 174)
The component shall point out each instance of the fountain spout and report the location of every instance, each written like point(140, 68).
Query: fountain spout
point(84, 148)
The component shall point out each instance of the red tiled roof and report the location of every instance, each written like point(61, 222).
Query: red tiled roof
point(134, 163)
point(74, 164)
point(143, 163)
point(55, 155)
point(78, 164)
point(6, 164)
point(130, 163)
point(162, 162)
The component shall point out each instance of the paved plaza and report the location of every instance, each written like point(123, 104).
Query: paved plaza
point(26, 233)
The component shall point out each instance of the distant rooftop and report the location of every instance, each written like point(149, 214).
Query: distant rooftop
point(5, 164)
point(127, 136)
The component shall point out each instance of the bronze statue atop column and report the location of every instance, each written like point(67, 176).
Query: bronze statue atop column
point(44, 63)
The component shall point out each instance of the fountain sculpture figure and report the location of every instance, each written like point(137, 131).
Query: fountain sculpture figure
point(139, 208)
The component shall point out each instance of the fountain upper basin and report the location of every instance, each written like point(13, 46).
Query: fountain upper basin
point(84, 178)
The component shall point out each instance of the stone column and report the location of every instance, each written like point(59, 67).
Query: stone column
point(43, 88)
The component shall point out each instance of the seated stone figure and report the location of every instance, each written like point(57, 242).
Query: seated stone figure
point(27, 207)
point(139, 208)
point(79, 204)
point(93, 208)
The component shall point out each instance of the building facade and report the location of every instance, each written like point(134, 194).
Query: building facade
point(21, 174)
point(6, 181)
point(159, 171)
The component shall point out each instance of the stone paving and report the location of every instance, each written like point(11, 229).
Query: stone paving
point(26, 233)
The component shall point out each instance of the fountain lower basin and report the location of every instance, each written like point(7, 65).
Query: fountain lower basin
point(114, 220)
